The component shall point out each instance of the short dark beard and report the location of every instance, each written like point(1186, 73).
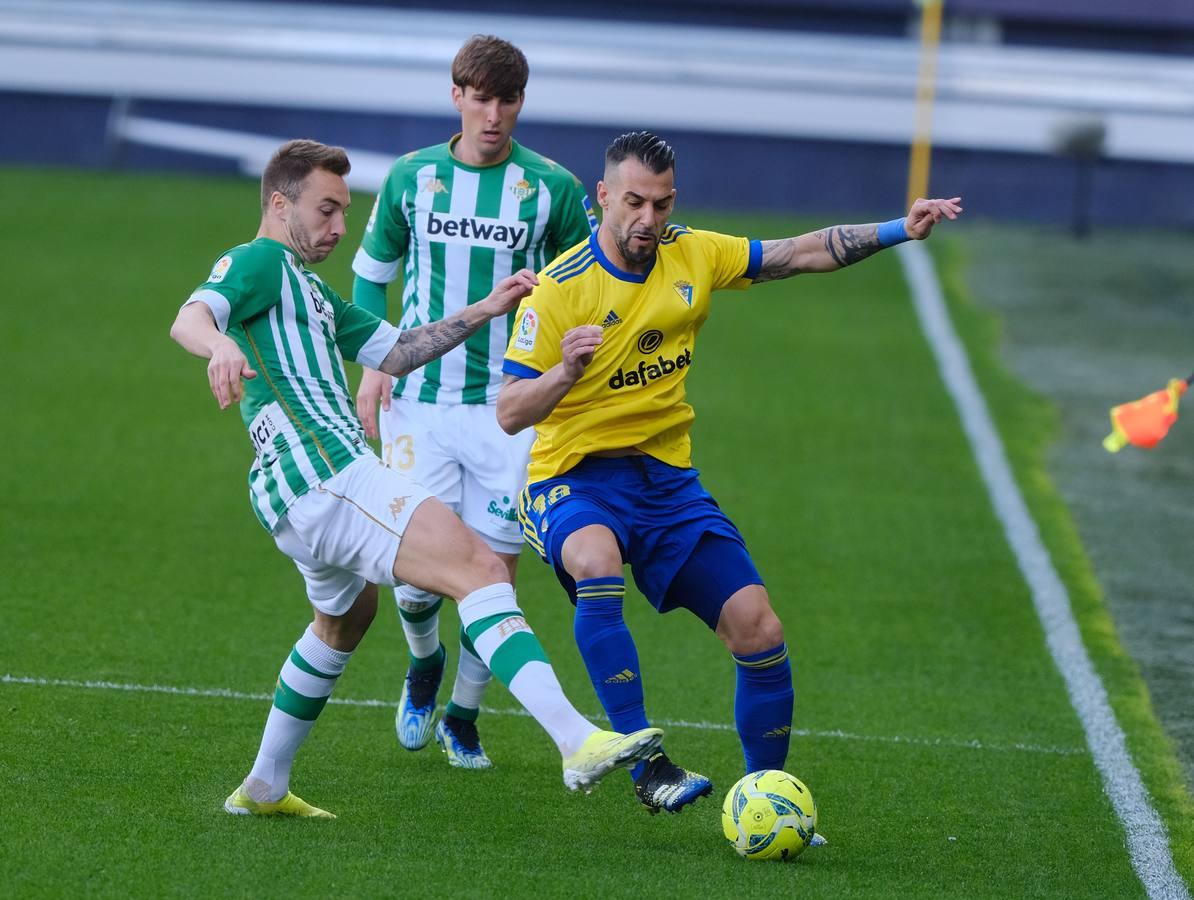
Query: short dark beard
point(635, 258)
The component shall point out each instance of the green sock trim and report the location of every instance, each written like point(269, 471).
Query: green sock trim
point(481, 626)
point(467, 643)
point(302, 664)
point(514, 653)
point(292, 702)
point(460, 712)
point(426, 663)
point(423, 614)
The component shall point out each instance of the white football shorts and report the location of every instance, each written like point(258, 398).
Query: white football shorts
point(347, 530)
point(460, 453)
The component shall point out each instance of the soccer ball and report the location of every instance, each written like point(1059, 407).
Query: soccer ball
point(769, 815)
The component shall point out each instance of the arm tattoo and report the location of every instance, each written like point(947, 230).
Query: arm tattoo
point(778, 259)
point(849, 243)
point(421, 345)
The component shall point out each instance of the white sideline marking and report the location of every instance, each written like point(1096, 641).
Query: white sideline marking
point(225, 694)
point(1148, 843)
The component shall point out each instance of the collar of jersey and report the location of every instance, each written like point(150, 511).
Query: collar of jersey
point(301, 261)
point(614, 270)
point(456, 161)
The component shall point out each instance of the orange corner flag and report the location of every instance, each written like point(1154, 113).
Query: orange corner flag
point(1145, 421)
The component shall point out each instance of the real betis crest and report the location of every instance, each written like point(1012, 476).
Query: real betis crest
point(523, 190)
point(684, 289)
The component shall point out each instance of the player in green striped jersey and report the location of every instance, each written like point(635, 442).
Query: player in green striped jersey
point(459, 217)
point(349, 522)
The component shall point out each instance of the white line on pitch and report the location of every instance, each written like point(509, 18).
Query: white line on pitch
point(225, 694)
point(1148, 843)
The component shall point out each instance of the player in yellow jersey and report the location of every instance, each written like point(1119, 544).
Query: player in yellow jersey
point(597, 363)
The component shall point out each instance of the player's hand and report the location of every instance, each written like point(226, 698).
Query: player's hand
point(375, 387)
point(225, 370)
point(924, 214)
point(578, 346)
point(507, 293)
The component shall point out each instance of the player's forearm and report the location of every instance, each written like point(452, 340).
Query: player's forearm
point(419, 346)
point(819, 251)
point(369, 296)
point(523, 402)
point(194, 330)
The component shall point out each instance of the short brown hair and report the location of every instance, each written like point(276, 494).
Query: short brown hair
point(490, 64)
point(294, 161)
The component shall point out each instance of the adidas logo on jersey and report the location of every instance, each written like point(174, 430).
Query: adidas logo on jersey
point(646, 372)
point(611, 320)
point(474, 231)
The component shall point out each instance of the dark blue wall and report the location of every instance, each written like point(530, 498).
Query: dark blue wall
point(1151, 26)
point(806, 176)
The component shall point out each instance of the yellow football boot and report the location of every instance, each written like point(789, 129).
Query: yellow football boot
point(604, 751)
point(241, 804)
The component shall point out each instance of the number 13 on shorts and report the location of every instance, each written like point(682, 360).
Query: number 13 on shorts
point(399, 453)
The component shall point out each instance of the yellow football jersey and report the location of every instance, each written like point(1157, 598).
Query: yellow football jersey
point(632, 393)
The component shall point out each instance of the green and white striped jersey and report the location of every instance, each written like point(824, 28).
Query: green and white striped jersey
point(461, 230)
point(296, 332)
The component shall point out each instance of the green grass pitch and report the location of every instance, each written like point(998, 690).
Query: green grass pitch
point(932, 726)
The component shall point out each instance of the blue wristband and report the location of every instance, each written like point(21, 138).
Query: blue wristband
point(893, 232)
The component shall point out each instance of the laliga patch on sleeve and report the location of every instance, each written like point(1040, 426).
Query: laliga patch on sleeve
point(219, 270)
point(528, 328)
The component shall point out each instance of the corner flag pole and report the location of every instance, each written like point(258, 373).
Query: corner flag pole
point(930, 37)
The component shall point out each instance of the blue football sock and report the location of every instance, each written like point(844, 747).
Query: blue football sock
point(763, 707)
point(609, 653)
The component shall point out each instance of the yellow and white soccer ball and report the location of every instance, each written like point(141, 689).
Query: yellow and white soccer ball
point(769, 815)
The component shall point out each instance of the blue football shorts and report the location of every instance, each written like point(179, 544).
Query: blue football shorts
point(682, 549)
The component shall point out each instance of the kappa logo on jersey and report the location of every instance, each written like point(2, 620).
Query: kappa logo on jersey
point(475, 231)
point(684, 289)
point(434, 186)
point(528, 328)
point(646, 372)
point(611, 320)
point(397, 506)
point(523, 190)
point(220, 269)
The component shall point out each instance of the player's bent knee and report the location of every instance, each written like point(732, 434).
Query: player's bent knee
point(748, 624)
point(592, 552)
point(345, 632)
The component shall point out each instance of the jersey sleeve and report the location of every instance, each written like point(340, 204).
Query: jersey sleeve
point(244, 282)
point(572, 218)
point(539, 326)
point(733, 261)
point(361, 336)
point(387, 233)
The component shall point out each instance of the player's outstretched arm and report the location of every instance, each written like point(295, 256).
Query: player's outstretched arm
point(421, 345)
point(835, 248)
point(195, 331)
point(523, 402)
